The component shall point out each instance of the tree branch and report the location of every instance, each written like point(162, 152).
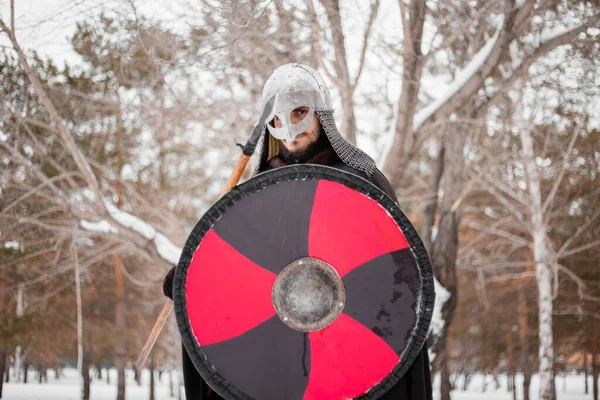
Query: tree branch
point(405, 27)
point(491, 185)
point(315, 45)
point(561, 173)
point(468, 187)
point(504, 277)
point(580, 249)
point(367, 33)
point(469, 85)
point(581, 229)
point(523, 12)
point(496, 231)
point(573, 312)
point(332, 8)
point(461, 30)
point(12, 19)
point(581, 286)
point(37, 188)
point(19, 159)
point(542, 50)
point(75, 152)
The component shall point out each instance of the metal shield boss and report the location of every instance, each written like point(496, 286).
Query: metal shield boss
point(304, 282)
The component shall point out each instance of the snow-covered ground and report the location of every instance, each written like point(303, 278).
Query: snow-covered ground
point(573, 388)
point(68, 388)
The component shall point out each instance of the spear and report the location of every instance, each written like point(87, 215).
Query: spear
point(238, 170)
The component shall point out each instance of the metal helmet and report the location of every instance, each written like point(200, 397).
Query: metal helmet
point(297, 85)
point(294, 86)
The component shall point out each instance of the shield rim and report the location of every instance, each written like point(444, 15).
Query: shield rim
point(303, 171)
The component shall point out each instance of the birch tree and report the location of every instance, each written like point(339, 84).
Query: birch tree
point(542, 267)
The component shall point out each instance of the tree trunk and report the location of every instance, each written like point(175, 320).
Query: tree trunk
point(432, 199)
point(585, 372)
point(151, 368)
point(120, 325)
point(348, 128)
point(171, 388)
point(403, 136)
point(444, 380)
point(2, 367)
point(514, 386)
point(85, 371)
point(524, 341)
point(20, 312)
point(179, 384)
point(546, 351)
point(20, 300)
point(18, 365)
point(594, 349)
point(75, 258)
point(445, 247)
point(511, 362)
point(542, 270)
point(7, 368)
point(25, 370)
point(107, 376)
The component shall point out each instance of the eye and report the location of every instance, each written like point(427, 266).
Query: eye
point(301, 110)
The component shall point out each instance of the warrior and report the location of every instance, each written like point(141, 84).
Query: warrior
point(303, 130)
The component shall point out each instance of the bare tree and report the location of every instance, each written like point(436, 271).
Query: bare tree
point(341, 78)
point(79, 311)
point(76, 173)
point(72, 209)
point(542, 265)
point(487, 42)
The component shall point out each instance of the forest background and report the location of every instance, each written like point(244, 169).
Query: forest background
point(118, 124)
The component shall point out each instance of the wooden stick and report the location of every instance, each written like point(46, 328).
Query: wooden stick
point(158, 325)
point(238, 170)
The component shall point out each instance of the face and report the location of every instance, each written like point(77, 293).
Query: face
point(305, 139)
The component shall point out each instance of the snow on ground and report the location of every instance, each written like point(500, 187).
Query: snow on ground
point(570, 389)
point(68, 388)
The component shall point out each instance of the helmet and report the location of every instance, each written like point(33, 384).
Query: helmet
point(294, 86)
point(298, 85)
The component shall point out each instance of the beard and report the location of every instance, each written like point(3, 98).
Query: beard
point(303, 155)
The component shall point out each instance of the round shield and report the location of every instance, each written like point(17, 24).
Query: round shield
point(304, 282)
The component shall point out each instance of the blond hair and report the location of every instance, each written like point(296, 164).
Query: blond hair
point(274, 147)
